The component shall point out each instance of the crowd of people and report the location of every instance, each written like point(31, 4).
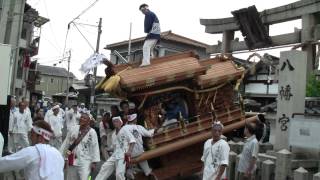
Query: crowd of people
point(67, 141)
point(63, 144)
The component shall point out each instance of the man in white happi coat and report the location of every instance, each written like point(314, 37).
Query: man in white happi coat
point(82, 108)
point(81, 150)
point(123, 142)
point(138, 132)
point(13, 109)
point(215, 155)
point(19, 125)
point(50, 113)
point(56, 122)
point(27, 103)
point(106, 132)
point(72, 117)
point(39, 161)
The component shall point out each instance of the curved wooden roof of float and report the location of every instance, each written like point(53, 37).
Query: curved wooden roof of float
point(162, 70)
point(219, 70)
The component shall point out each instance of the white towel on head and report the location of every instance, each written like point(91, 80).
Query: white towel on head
point(48, 163)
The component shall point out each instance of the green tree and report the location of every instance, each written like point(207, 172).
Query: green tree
point(313, 86)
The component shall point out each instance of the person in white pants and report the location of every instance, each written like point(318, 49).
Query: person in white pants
point(1, 144)
point(72, 117)
point(106, 135)
point(56, 122)
point(123, 142)
point(39, 161)
point(152, 28)
point(13, 109)
point(138, 132)
point(85, 155)
point(19, 126)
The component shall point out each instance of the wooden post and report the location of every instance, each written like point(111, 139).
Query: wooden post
point(231, 170)
point(267, 170)
point(316, 176)
point(283, 164)
point(300, 174)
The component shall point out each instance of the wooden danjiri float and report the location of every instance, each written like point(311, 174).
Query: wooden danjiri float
point(180, 96)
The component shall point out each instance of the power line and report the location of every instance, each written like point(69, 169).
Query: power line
point(91, 25)
point(84, 11)
point(50, 24)
point(84, 37)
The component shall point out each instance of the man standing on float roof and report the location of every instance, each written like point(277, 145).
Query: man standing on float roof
point(152, 28)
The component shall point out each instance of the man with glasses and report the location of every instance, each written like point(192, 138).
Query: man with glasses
point(152, 28)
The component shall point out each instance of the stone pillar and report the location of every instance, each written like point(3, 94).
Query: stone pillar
point(308, 23)
point(231, 170)
point(316, 176)
point(264, 147)
point(283, 165)
point(267, 170)
point(300, 174)
point(291, 94)
point(227, 37)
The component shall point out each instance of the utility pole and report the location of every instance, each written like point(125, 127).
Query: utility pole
point(67, 95)
point(129, 48)
point(92, 98)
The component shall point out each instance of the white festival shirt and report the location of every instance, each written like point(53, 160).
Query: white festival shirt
point(12, 110)
point(87, 151)
point(39, 162)
point(50, 113)
point(121, 141)
point(72, 118)
point(21, 123)
point(106, 132)
point(138, 132)
point(56, 122)
point(213, 156)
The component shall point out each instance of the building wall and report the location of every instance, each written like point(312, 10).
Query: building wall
point(52, 84)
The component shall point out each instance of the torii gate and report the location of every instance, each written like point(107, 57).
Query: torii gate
point(307, 10)
point(292, 83)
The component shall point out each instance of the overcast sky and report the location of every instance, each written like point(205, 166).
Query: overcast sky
point(182, 17)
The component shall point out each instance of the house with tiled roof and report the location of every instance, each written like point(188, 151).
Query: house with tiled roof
point(52, 80)
point(170, 43)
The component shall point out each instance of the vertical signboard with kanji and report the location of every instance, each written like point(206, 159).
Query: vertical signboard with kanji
point(291, 93)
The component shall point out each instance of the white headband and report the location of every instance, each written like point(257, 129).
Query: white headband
point(55, 107)
point(132, 117)
point(42, 132)
point(117, 118)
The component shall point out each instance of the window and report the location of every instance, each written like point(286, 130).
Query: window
point(52, 80)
